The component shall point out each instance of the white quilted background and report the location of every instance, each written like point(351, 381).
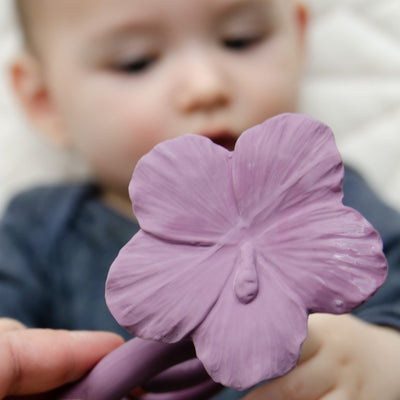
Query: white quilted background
point(352, 83)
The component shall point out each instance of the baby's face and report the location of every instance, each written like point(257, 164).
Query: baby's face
point(126, 74)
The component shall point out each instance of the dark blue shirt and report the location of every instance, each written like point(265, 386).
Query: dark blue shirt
point(57, 243)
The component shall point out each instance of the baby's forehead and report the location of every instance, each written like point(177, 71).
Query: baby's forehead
point(48, 10)
point(37, 17)
point(41, 16)
point(33, 16)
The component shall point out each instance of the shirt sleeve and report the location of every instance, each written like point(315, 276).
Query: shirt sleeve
point(384, 307)
point(24, 288)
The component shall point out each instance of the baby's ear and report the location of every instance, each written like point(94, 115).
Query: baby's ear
point(30, 88)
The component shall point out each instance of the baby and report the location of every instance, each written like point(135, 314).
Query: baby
point(111, 79)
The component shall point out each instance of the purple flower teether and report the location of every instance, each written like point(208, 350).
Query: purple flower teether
point(237, 248)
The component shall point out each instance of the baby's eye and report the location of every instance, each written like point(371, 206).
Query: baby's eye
point(241, 42)
point(136, 66)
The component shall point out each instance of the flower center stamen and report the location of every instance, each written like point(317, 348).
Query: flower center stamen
point(246, 279)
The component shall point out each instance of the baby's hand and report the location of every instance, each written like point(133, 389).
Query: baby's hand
point(343, 358)
point(37, 360)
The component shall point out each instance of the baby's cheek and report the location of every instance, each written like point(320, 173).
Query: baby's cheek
point(142, 137)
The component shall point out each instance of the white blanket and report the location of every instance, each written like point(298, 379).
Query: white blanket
point(352, 83)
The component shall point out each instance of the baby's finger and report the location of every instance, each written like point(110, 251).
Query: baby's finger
point(200, 392)
point(338, 395)
point(308, 381)
point(181, 376)
point(35, 361)
point(8, 324)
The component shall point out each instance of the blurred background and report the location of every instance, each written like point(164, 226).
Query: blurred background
point(352, 83)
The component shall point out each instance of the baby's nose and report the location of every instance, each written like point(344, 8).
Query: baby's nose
point(203, 86)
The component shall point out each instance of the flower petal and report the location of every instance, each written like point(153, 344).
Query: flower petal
point(243, 344)
point(287, 160)
point(182, 190)
point(162, 291)
point(332, 258)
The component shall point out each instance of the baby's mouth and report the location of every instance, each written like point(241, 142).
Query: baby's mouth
point(223, 138)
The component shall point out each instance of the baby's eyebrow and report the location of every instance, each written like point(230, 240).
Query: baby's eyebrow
point(226, 5)
point(115, 39)
point(233, 8)
point(140, 22)
point(127, 30)
point(115, 42)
